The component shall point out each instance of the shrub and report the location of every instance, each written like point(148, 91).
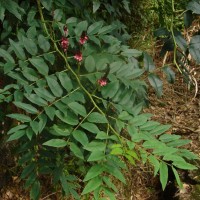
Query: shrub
point(77, 97)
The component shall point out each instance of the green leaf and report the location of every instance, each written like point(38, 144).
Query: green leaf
point(50, 58)
point(96, 5)
point(178, 143)
point(68, 117)
point(30, 74)
point(76, 150)
point(169, 73)
point(13, 8)
point(20, 117)
point(50, 111)
point(58, 14)
point(55, 143)
point(40, 65)
point(43, 43)
point(35, 191)
point(94, 171)
point(159, 130)
point(95, 146)
point(42, 122)
point(2, 12)
point(168, 137)
point(90, 64)
point(16, 128)
point(65, 81)
point(65, 184)
point(78, 108)
point(81, 26)
point(148, 62)
point(117, 151)
point(96, 155)
point(54, 86)
point(47, 4)
point(36, 99)
point(27, 107)
point(81, 137)
point(7, 57)
point(94, 28)
point(149, 125)
point(131, 53)
point(155, 163)
point(29, 133)
point(156, 83)
point(194, 48)
point(92, 185)
point(96, 117)
point(30, 46)
point(106, 29)
point(90, 127)
point(58, 130)
point(30, 179)
point(35, 126)
point(27, 170)
point(184, 165)
point(109, 183)
point(116, 173)
point(163, 174)
point(194, 6)
point(177, 177)
point(18, 49)
point(110, 89)
point(45, 94)
point(16, 135)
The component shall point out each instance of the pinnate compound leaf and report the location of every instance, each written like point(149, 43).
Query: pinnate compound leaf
point(56, 143)
point(78, 108)
point(40, 65)
point(81, 137)
point(96, 117)
point(54, 86)
point(94, 171)
point(27, 107)
point(163, 174)
point(92, 185)
point(156, 83)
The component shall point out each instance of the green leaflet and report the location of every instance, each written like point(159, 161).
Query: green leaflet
point(76, 150)
point(92, 185)
point(7, 57)
point(56, 143)
point(94, 171)
point(81, 137)
point(18, 49)
point(20, 117)
point(16, 135)
point(163, 174)
point(54, 86)
point(27, 107)
point(30, 46)
point(43, 43)
point(96, 117)
point(40, 65)
point(78, 108)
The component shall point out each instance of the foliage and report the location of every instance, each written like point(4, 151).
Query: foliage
point(77, 96)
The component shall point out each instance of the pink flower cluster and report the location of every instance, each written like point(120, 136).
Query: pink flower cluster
point(102, 81)
point(64, 43)
point(83, 39)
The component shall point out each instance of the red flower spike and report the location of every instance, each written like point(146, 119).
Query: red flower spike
point(83, 39)
point(78, 57)
point(64, 44)
point(103, 81)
